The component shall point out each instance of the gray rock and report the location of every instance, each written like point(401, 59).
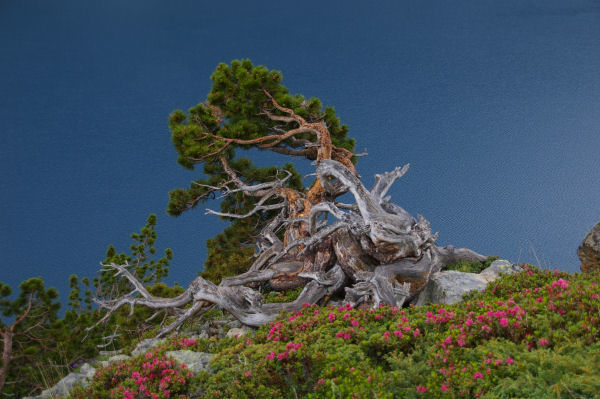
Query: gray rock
point(118, 358)
point(589, 250)
point(238, 332)
point(145, 345)
point(62, 387)
point(216, 332)
point(110, 353)
point(87, 370)
point(195, 334)
point(449, 286)
point(195, 361)
point(234, 324)
point(498, 268)
point(113, 359)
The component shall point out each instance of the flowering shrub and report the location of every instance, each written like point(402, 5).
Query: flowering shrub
point(151, 375)
point(534, 334)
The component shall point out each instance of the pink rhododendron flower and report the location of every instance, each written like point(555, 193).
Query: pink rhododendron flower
point(564, 284)
point(543, 342)
point(509, 360)
point(331, 317)
point(477, 375)
point(293, 347)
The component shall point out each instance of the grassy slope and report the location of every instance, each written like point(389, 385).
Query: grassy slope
point(531, 335)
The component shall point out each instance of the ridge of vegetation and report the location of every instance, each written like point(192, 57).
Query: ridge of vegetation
point(533, 334)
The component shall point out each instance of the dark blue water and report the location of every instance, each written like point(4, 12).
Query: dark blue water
point(496, 105)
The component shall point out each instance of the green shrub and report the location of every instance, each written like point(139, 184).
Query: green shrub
point(472, 267)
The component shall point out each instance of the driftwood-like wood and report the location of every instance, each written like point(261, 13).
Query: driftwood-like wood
point(375, 252)
point(371, 252)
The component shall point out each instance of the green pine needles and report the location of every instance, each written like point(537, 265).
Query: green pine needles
point(233, 118)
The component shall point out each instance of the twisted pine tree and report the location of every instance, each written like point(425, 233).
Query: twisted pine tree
point(239, 114)
point(373, 251)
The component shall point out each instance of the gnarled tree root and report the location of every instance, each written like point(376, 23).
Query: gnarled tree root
point(375, 252)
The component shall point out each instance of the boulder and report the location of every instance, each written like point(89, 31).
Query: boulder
point(113, 359)
point(110, 353)
point(449, 286)
point(62, 387)
point(498, 268)
point(589, 250)
point(195, 361)
point(238, 332)
point(117, 358)
point(234, 324)
point(145, 345)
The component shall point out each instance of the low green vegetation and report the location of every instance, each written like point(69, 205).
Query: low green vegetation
point(282, 296)
point(472, 267)
point(43, 347)
point(530, 335)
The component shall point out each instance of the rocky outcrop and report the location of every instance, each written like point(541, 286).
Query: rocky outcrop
point(589, 250)
point(145, 345)
point(449, 286)
point(62, 388)
point(195, 361)
point(238, 332)
point(113, 359)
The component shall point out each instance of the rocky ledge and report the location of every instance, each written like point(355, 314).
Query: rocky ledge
point(589, 250)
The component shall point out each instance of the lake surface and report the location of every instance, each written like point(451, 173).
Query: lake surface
point(495, 104)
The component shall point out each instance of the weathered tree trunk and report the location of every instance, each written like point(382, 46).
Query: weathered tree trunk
point(375, 252)
point(7, 337)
